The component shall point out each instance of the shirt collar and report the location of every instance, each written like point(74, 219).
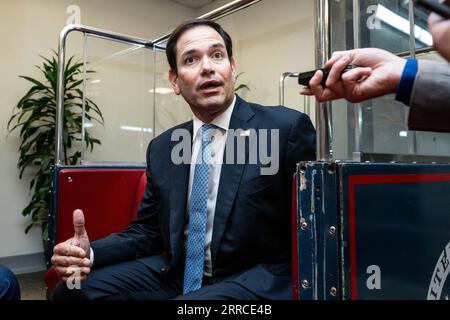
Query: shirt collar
point(222, 121)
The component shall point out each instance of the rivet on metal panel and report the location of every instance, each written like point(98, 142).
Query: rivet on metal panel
point(305, 284)
point(333, 291)
point(332, 230)
point(332, 168)
point(69, 179)
point(304, 225)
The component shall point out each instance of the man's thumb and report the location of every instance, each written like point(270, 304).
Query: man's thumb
point(78, 223)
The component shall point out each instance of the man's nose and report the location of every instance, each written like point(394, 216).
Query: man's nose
point(207, 67)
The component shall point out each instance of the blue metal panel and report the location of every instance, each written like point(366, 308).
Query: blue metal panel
point(392, 230)
point(306, 252)
point(396, 227)
point(54, 171)
point(318, 248)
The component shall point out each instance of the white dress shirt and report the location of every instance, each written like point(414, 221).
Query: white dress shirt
point(217, 149)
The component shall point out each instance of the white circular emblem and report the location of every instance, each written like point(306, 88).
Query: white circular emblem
point(438, 285)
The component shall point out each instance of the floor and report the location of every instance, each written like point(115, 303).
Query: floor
point(32, 286)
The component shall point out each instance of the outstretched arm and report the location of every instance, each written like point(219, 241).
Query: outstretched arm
point(378, 73)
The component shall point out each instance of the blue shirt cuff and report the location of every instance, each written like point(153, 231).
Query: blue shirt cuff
point(405, 86)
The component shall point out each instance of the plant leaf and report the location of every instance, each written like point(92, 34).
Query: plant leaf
point(35, 118)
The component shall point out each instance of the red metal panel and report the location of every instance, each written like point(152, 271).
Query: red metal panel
point(106, 196)
point(109, 199)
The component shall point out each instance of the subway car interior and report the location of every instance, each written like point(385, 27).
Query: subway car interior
point(367, 216)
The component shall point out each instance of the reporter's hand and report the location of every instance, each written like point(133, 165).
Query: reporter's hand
point(74, 252)
point(379, 73)
point(440, 30)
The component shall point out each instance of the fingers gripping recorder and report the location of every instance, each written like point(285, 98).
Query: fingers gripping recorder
point(305, 77)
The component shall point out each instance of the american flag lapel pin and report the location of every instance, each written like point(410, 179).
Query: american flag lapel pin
point(245, 133)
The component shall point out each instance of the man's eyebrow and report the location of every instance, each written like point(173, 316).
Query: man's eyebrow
point(218, 45)
point(189, 52)
point(213, 46)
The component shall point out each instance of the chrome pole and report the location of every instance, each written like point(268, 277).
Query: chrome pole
point(83, 121)
point(323, 123)
point(412, 53)
point(358, 107)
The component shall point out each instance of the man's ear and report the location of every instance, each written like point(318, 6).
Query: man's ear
point(233, 68)
point(173, 78)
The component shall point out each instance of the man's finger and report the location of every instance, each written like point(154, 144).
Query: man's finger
point(335, 57)
point(327, 95)
point(65, 271)
point(66, 261)
point(336, 70)
point(78, 223)
point(356, 74)
point(316, 79)
point(85, 271)
point(305, 91)
point(434, 18)
point(64, 249)
point(314, 84)
point(72, 271)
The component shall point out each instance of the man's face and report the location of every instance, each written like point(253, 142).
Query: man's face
point(206, 75)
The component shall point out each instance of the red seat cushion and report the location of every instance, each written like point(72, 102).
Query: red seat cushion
point(108, 197)
point(139, 194)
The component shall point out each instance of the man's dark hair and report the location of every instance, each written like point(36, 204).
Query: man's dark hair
point(171, 48)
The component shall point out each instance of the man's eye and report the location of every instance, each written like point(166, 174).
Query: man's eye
point(189, 60)
point(217, 55)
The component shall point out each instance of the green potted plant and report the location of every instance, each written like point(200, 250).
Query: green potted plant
point(35, 116)
point(242, 85)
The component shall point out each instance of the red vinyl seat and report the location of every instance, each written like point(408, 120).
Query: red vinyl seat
point(109, 198)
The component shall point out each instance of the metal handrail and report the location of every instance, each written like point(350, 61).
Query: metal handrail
point(95, 32)
point(108, 35)
point(218, 13)
point(283, 77)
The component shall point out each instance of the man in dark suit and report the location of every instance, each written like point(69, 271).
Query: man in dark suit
point(214, 221)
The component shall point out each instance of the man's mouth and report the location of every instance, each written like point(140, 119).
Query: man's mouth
point(210, 86)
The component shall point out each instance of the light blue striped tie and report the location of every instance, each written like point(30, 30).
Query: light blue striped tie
point(195, 250)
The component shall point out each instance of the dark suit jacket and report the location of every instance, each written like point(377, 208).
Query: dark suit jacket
point(251, 231)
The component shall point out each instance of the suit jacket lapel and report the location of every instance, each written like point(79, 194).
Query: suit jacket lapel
point(230, 178)
point(179, 176)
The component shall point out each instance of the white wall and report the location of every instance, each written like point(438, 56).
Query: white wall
point(270, 37)
point(29, 28)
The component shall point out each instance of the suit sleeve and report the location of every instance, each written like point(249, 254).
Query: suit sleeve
point(301, 144)
point(141, 238)
point(430, 98)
